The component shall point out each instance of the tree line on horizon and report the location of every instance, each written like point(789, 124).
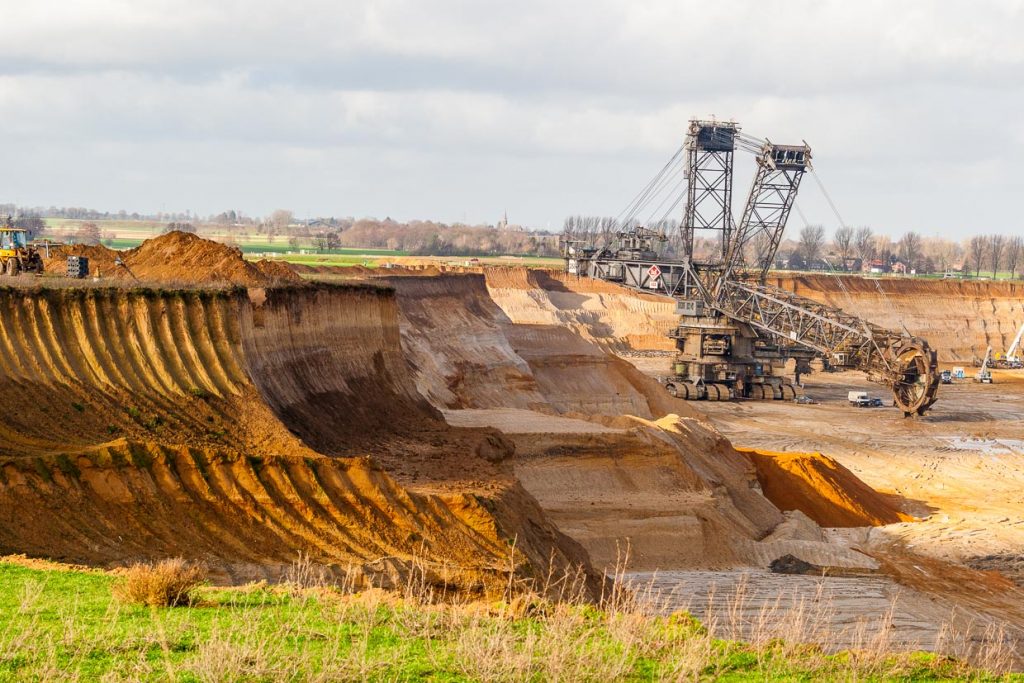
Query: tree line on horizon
point(848, 248)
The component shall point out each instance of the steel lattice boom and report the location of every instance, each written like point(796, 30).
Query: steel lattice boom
point(772, 193)
point(904, 363)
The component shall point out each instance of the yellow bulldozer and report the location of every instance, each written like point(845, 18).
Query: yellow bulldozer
point(16, 254)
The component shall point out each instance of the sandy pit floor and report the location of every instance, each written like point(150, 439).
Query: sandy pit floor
point(959, 469)
point(857, 613)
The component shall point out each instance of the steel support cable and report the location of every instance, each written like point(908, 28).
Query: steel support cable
point(666, 198)
point(828, 198)
point(667, 181)
point(842, 223)
point(842, 285)
point(652, 182)
point(672, 208)
point(652, 194)
point(643, 197)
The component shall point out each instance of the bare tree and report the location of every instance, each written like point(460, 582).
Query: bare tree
point(996, 246)
point(976, 250)
point(758, 249)
point(281, 219)
point(882, 247)
point(88, 233)
point(812, 239)
point(910, 249)
point(844, 241)
point(864, 243)
point(943, 253)
point(1013, 250)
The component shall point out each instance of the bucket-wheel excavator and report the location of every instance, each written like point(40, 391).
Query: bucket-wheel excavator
point(736, 333)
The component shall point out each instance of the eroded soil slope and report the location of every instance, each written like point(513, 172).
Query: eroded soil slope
point(468, 353)
point(141, 423)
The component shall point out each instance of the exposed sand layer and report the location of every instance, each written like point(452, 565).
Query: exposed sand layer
point(959, 319)
point(611, 316)
point(468, 353)
point(446, 418)
point(670, 490)
point(248, 514)
point(960, 469)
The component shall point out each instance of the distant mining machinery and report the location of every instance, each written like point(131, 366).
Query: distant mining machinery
point(736, 333)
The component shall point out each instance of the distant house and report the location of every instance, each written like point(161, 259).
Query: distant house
point(875, 266)
point(898, 266)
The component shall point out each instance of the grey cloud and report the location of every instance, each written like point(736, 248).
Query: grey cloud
point(543, 108)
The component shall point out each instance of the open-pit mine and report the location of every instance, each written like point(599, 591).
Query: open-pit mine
point(700, 428)
point(477, 425)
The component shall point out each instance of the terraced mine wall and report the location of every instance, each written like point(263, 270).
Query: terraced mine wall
point(469, 353)
point(143, 423)
point(631, 473)
point(613, 317)
point(959, 318)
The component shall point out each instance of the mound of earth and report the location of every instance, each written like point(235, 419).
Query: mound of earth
point(176, 257)
point(822, 489)
point(102, 259)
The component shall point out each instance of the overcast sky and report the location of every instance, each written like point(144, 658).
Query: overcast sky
point(459, 110)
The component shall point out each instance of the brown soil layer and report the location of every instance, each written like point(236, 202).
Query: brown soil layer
point(468, 353)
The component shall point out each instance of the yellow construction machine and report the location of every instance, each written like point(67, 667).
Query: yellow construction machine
point(16, 254)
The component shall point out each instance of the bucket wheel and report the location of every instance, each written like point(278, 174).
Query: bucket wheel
point(915, 377)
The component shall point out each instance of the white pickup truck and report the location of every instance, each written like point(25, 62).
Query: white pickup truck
point(862, 400)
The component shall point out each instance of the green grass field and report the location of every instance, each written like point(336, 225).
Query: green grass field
point(64, 624)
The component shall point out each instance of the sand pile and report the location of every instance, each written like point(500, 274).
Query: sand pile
point(822, 489)
point(178, 257)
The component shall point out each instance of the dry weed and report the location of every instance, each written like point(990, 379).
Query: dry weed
point(167, 583)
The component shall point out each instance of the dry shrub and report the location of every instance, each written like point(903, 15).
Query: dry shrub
point(166, 583)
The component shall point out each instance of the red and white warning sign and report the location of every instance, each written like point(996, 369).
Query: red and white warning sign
point(654, 272)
